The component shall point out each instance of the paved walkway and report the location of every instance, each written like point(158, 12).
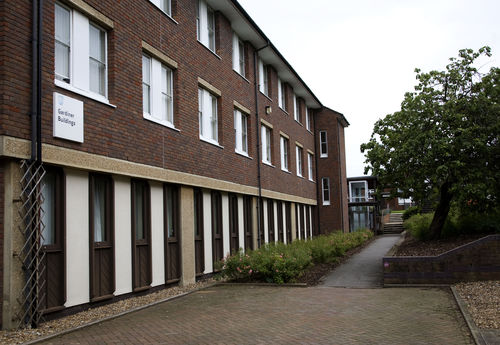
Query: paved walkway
point(363, 270)
point(244, 314)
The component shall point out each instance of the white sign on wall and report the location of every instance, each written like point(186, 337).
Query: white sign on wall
point(68, 118)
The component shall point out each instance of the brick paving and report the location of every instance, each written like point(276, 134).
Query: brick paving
point(283, 315)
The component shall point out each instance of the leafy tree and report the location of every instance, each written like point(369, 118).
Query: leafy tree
point(444, 140)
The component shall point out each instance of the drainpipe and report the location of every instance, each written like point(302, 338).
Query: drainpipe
point(257, 120)
point(340, 176)
point(39, 82)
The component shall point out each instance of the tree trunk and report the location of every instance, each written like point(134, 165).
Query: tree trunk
point(442, 210)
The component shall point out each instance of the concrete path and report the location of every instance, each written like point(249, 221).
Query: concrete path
point(364, 269)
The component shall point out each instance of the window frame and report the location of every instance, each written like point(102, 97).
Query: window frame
point(321, 143)
point(297, 114)
point(282, 95)
point(326, 201)
point(214, 123)
point(241, 132)
point(165, 115)
point(299, 152)
point(285, 153)
point(310, 166)
point(308, 119)
point(263, 78)
point(205, 24)
point(266, 143)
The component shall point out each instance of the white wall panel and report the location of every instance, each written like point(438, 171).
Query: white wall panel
point(207, 231)
point(123, 235)
point(157, 234)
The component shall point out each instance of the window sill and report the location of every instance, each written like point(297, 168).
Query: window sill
point(244, 154)
point(323, 156)
point(325, 203)
point(165, 13)
point(268, 164)
point(300, 176)
point(267, 96)
point(93, 96)
point(310, 132)
point(211, 142)
point(312, 181)
point(299, 122)
point(286, 171)
point(241, 75)
point(160, 122)
point(284, 110)
point(210, 50)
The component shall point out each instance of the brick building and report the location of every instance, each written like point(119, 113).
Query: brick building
point(141, 141)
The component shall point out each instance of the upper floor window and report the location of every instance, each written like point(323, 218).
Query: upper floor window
point(300, 164)
point(205, 25)
point(323, 144)
point(207, 111)
point(164, 5)
point(325, 185)
point(82, 44)
point(282, 94)
point(308, 119)
point(310, 166)
point(284, 153)
point(157, 91)
point(266, 138)
point(263, 78)
point(238, 55)
point(241, 132)
point(297, 114)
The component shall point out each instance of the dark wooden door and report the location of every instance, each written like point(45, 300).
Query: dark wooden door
point(270, 220)
point(279, 216)
point(288, 222)
point(141, 235)
point(172, 233)
point(217, 240)
point(247, 219)
point(51, 283)
point(233, 224)
point(102, 263)
point(198, 232)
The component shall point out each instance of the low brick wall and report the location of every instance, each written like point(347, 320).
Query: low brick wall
point(478, 260)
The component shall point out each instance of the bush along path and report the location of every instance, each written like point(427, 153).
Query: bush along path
point(284, 263)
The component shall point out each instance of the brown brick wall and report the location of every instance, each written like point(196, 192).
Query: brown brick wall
point(2, 197)
point(122, 132)
point(333, 216)
point(479, 260)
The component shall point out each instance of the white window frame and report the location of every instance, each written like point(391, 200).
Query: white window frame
point(299, 152)
point(241, 132)
point(239, 55)
point(325, 187)
point(78, 79)
point(266, 141)
point(308, 119)
point(161, 98)
point(164, 5)
point(296, 108)
point(353, 198)
point(263, 78)
point(310, 166)
point(205, 25)
point(323, 154)
point(208, 117)
point(284, 144)
point(281, 94)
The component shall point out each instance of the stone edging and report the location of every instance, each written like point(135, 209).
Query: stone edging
point(133, 310)
point(474, 330)
point(301, 285)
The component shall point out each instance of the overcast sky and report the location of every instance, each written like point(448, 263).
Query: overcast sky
point(359, 56)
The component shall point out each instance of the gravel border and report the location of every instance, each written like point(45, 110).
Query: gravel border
point(92, 316)
point(474, 330)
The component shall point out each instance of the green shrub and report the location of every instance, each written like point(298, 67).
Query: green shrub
point(410, 211)
point(280, 263)
point(418, 225)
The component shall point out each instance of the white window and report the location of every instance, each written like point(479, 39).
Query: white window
point(263, 78)
point(296, 109)
point(207, 111)
point(164, 5)
point(308, 119)
point(157, 91)
point(284, 153)
point(205, 25)
point(323, 144)
point(266, 144)
point(310, 166)
point(325, 183)
point(281, 94)
point(241, 132)
point(300, 165)
point(238, 55)
point(80, 54)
